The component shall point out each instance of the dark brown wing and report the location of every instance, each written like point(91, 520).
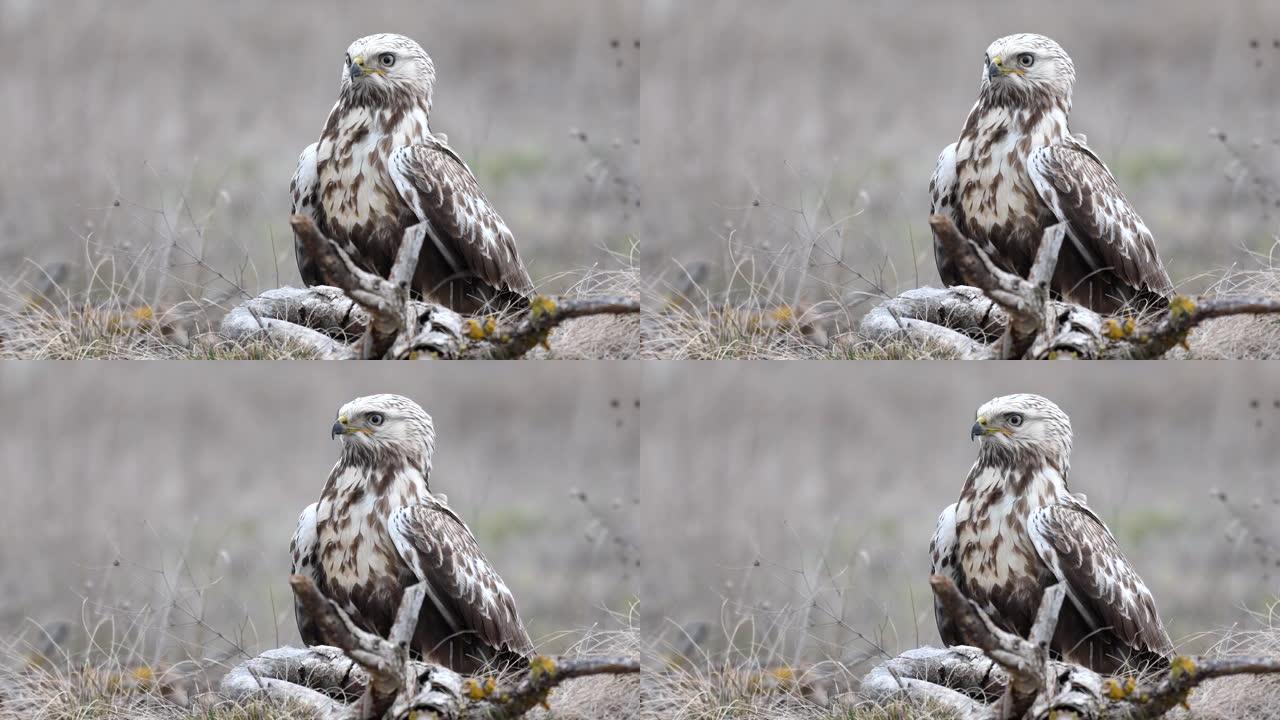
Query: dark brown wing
point(302, 192)
point(1101, 584)
point(303, 551)
point(462, 586)
point(942, 201)
point(1103, 227)
point(464, 232)
point(943, 561)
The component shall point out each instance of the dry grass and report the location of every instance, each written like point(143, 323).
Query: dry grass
point(754, 683)
point(120, 674)
point(118, 314)
point(758, 318)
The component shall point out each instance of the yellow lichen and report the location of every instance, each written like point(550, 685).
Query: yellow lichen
point(541, 306)
point(479, 329)
point(1112, 329)
point(1113, 689)
point(783, 314)
point(783, 674)
point(1181, 306)
point(143, 314)
point(540, 666)
point(473, 689)
point(143, 674)
point(1180, 666)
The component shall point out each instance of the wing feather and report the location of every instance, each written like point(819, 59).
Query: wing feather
point(1082, 553)
point(942, 195)
point(462, 584)
point(303, 551)
point(443, 193)
point(1102, 224)
point(942, 556)
point(303, 192)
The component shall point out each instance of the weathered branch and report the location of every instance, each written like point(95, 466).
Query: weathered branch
point(546, 673)
point(364, 676)
point(544, 315)
point(1024, 660)
point(361, 315)
point(386, 301)
point(321, 319)
point(960, 320)
point(1184, 315)
point(959, 678)
point(1027, 683)
point(383, 660)
point(1031, 312)
point(1032, 324)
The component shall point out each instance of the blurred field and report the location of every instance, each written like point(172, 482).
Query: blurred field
point(796, 502)
point(796, 169)
point(162, 135)
point(166, 494)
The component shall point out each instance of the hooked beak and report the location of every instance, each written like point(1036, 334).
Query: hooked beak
point(978, 430)
point(356, 68)
point(996, 68)
point(339, 428)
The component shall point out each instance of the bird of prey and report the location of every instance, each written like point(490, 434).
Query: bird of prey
point(1017, 530)
point(1017, 170)
point(378, 173)
point(377, 529)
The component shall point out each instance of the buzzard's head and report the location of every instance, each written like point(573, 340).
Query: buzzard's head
point(1024, 423)
point(386, 425)
point(387, 67)
point(1027, 67)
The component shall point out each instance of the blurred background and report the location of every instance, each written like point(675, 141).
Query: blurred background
point(163, 496)
point(801, 136)
point(163, 135)
point(795, 503)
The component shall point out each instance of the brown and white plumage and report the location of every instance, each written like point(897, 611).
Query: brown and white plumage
point(1017, 530)
point(377, 529)
point(378, 172)
point(1017, 170)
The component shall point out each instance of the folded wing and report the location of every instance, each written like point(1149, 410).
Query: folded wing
point(462, 586)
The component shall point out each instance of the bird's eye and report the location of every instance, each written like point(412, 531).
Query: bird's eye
point(375, 419)
point(1026, 60)
point(1015, 419)
point(387, 59)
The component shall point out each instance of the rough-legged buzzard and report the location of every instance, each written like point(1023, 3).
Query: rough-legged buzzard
point(1018, 530)
point(378, 172)
point(1017, 170)
point(378, 529)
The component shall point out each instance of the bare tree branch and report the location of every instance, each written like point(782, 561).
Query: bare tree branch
point(546, 673)
point(358, 314)
point(1028, 683)
point(1033, 325)
point(361, 676)
point(544, 315)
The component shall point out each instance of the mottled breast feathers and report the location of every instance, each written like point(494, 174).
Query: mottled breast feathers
point(375, 532)
point(1016, 530)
